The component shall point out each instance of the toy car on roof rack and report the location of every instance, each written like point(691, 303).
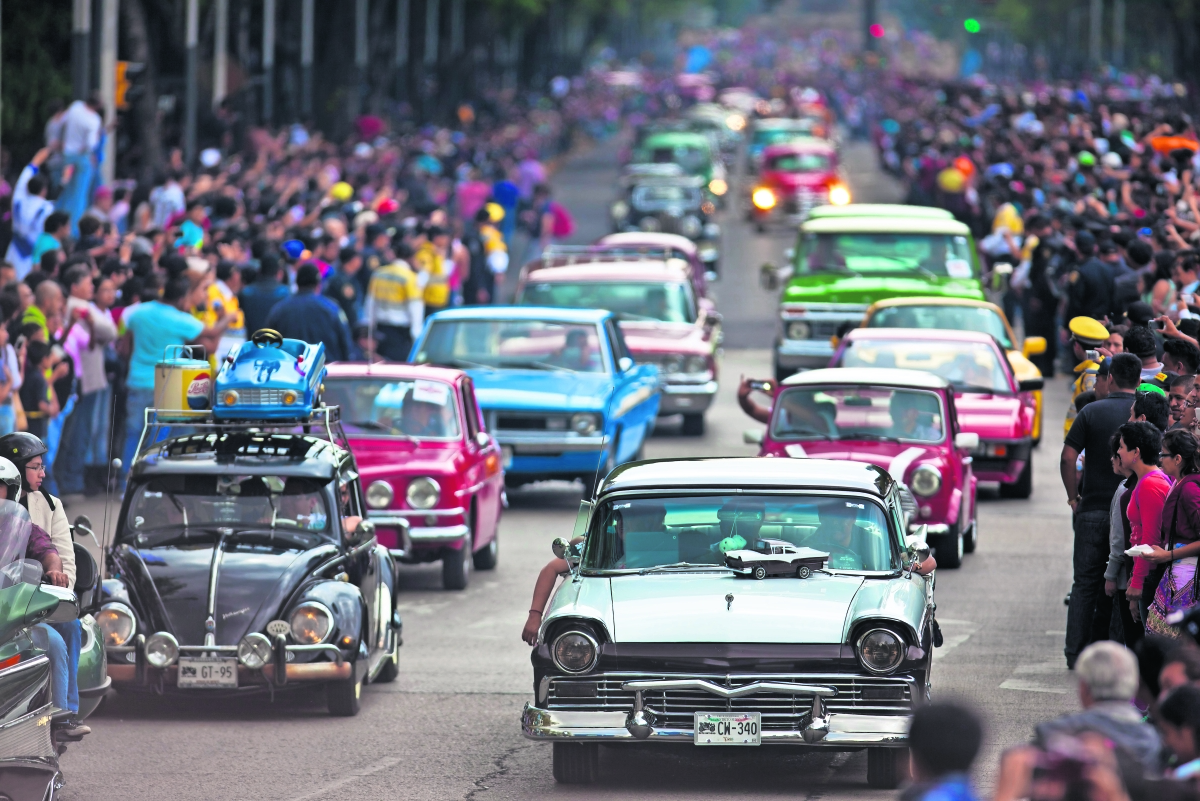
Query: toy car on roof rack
point(270, 378)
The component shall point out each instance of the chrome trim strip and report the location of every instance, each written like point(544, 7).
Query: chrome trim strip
point(396, 517)
point(707, 388)
point(844, 308)
point(438, 533)
point(232, 649)
point(37, 661)
point(749, 689)
point(550, 444)
point(214, 570)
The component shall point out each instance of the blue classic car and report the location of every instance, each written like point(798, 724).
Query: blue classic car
point(558, 388)
point(270, 378)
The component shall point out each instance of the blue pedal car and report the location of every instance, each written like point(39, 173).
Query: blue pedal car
point(270, 378)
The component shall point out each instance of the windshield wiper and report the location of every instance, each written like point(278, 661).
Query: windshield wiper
point(879, 437)
point(683, 566)
point(932, 276)
point(810, 433)
point(468, 364)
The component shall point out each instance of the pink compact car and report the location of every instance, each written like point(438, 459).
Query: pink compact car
point(433, 475)
point(901, 420)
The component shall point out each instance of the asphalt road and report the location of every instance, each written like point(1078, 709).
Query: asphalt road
point(449, 727)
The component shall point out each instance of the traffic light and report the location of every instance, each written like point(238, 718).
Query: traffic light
point(128, 84)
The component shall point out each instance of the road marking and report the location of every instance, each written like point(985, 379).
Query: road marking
point(1055, 667)
point(1056, 633)
point(1030, 687)
point(952, 641)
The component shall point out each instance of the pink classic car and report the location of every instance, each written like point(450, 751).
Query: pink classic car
point(433, 475)
point(991, 402)
point(661, 319)
point(901, 420)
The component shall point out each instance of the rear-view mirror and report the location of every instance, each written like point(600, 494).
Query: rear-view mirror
point(482, 439)
point(966, 441)
point(1034, 346)
point(625, 364)
point(1031, 384)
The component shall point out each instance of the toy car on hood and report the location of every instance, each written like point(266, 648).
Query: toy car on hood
point(904, 422)
point(776, 558)
point(660, 319)
point(795, 178)
point(270, 378)
point(654, 639)
point(988, 398)
point(433, 478)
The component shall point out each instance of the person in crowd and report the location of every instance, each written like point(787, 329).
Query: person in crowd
point(259, 298)
point(312, 317)
point(1141, 445)
point(1180, 356)
point(82, 132)
point(343, 288)
point(943, 741)
point(30, 208)
point(56, 231)
point(1093, 430)
point(1179, 722)
point(1116, 574)
point(1140, 341)
point(1087, 336)
point(1180, 667)
point(1150, 405)
point(433, 268)
point(395, 308)
point(1178, 389)
point(47, 306)
point(1092, 287)
point(37, 399)
point(1171, 581)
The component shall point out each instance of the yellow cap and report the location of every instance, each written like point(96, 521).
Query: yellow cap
point(495, 212)
point(1088, 331)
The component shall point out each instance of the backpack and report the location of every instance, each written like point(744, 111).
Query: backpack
point(564, 223)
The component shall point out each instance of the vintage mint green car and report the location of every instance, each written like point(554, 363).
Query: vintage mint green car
point(653, 639)
point(692, 151)
point(843, 264)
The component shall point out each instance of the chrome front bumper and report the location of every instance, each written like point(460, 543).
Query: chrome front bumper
point(803, 354)
point(839, 731)
point(686, 398)
point(553, 443)
point(404, 521)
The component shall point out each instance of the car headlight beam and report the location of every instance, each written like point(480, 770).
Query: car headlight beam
point(575, 651)
point(423, 493)
point(718, 186)
point(926, 480)
point(763, 199)
point(584, 424)
point(255, 651)
point(311, 623)
point(117, 623)
point(162, 649)
point(839, 195)
point(880, 650)
point(380, 495)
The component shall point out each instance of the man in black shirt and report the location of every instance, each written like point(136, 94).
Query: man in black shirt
point(1091, 288)
point(1091, 433)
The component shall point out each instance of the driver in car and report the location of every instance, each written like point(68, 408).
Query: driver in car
point(835, 534)
point(908, 417)
point(420, 418)
point(575, 354)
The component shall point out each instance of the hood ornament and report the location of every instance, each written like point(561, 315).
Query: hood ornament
point(729, 602)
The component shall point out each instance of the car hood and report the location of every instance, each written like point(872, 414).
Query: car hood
point(840, 288)
point(694, 608)
point(896, 458)
point(541, 389)
point(991, 416)
point(378, 458)
point(795, 180)
point(252, 585)
point(682, 338)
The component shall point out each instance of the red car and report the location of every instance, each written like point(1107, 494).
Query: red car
point(991, 402)
point(901, 420)
point(425, 460)
point(795, 178)
point(661, 319)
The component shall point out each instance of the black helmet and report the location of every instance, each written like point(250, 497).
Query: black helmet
point(21, 446)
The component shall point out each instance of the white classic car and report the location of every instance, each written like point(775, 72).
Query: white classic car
point(654, 639)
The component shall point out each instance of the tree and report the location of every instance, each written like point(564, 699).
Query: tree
point(37, 59)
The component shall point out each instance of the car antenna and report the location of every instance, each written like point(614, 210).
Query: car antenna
point(596, 477)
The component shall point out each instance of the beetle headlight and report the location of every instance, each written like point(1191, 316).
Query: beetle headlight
point(311, 623)
point(423, 493)
point(117, 622)
point(799, 330)
point(575, 652)
point(380, 495)
point(162, 649)
point(880, 650)
point(229, 397)
point(584, 424)
point(926, 480)
point(255, 650)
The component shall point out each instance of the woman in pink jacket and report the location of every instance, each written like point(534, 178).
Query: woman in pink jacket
point(1139, 452)
point(1175, 556)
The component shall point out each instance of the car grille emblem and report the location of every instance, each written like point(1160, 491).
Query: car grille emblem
point(729, 602)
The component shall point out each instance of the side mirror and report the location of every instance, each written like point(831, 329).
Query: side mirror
point(1034, 346)
point(625, 364)
point(1030, 384)
point(482, 439)
point(83, 524)
point(768, 277)
point(966, 441)
point(563, 549)
point(711, 319)
point(915, 545)
point(754, 436)
point(363, 532)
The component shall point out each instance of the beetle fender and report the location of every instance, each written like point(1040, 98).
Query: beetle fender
point(345, 601)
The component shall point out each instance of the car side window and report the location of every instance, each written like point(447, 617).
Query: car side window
point(619, 350)
point(349, 492)
point(469, 409)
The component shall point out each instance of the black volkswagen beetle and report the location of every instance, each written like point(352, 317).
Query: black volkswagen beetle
point(242, 563)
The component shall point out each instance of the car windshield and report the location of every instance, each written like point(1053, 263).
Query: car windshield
point(932, 255)
point(832, 412)
point(646, 532)
point(693, 158)
point(514, 344)
point(665, 302)
point(411, 407)
point(776, 136)
point(658, 196)
point(799, 162)
point(264, 502)
point(952, 318)
point(969, 366)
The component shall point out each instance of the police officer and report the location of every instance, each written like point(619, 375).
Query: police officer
point(311, 317)
point(1091, 288)
point(1086, 334)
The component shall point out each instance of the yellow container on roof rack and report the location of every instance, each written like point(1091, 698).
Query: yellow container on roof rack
point(183, 383)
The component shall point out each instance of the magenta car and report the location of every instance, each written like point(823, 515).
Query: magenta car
point(433, 475)
point(901, 420)
point(991, 402)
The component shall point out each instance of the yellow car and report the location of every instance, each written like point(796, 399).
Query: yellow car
point(964, 315)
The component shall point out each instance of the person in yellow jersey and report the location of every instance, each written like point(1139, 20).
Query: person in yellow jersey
point(1087, 334)
point(223, 294)
point(431, 263)
point(395, 308)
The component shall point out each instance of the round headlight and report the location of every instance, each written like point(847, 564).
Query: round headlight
point(649, 225)
point(290, 397)
point(255, 650)
point(691, 227)
point(575, 652)
point(695, 364)
point(619, 210)
point(380, 495)
point(117, 622)
point(672, 364)
point(718, 186)
point(311, 623)
point(423, 493)
point(926, 480)
point(162, 649)
point(799, 330)
point(880, 650)
point(229, 397)
point(763, 199)
point(585, 424)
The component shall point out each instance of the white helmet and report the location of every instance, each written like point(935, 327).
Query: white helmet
point(11, 476)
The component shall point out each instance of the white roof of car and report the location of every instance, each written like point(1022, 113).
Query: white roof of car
point(867, 376)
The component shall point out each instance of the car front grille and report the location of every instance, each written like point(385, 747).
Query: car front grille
point(517, 421)
point(859, 695)
point(260, 397)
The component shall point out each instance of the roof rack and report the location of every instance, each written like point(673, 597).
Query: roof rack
point(175, 435)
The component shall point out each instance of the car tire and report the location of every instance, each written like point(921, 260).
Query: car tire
point(886, 767)
point(391, 669)
point(576, 763)
point(486, 557)
point(456, 566)
point(759, 573)
point(804, 571)
point(1023, 486)
point(693, 425)
point(948, 548)
point(972, 537)
point(344, 698)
